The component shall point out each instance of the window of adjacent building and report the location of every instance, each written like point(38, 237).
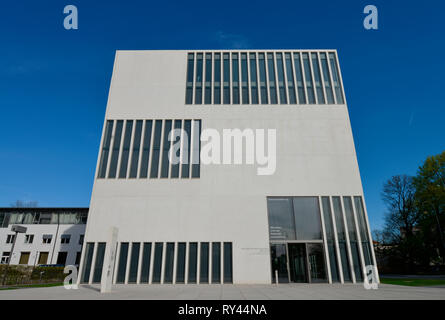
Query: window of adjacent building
point(146, 259)
point(156, 149)
point(81, 238)
point(134, 262)
point(189, 85)
point(290, 79)
point(61, 257)
point(157, 263)
point(136, 149)
point(10, 238)
point(263, 79)
point(272, 85)
point(5, 257)
point(65, 238)
point(244, 79)
point(226, 78)
point(87, 262)
point(168, 264)
point(235, 78)
point(193, 262)
point(280, 71)
point(105, 149)
point(253, 78)
point(122, 265)
point(198, 80)
point(165, 149)
point(308, 78)
point(227, 263)
point(217, 79)
point(78, 256)
point(115, 150)
point(336, 79)
point(180, 263)
point(29, 238)
point(216, 262)
point(146, 149)
point(98, 266)
point(204, 263)
point(24, 257)
point(208, 79)
point(43, 257)
point(317, 78)
point(46, 238)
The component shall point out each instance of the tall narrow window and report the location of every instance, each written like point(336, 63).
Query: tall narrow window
point(146, 259)
point(216, 262)
point(134, 262)
point(87, 260)
point(196, 148)
point(204, 263)
point(116, 147)
point(97, 275)
point(193, 262)
point(146, 148)
point(271, 71)
point(327, 78)
point(263, 80)
point(122, 267)
point(226, 83)
point(126, 149)
point(317, 78)
point(308, 78)
point(217, 79)
point(253, 78)
point(180, 263)
point(235, 78)
point(290, 79)
point(244, 79)
point(165, 149)
point(330, 239)
point(156, 149)
point(299, 76)
point(339, 223)
point(228, 278)
point(336, 79)
point(350, 221)
point(186, 149)
point(136, 148)
point(105, 149)
point(157, 263)
point(169, 257)
point(363, 228)
point(280, 71)
point(198, 80)
point(189, 85)
point(208, 79)
point(177, 142)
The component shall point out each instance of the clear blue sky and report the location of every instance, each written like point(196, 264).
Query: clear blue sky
point(54, 83)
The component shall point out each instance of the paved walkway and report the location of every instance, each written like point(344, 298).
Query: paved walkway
point(229, 292)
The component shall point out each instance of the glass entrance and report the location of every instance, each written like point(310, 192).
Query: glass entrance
point(298, 262)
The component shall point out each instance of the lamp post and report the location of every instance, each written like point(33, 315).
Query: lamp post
point(17, 229)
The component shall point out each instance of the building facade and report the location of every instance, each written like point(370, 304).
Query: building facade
point(295, 215)
point(53, 235)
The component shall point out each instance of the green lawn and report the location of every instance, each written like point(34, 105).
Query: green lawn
point(413, 282)
point(37, 285)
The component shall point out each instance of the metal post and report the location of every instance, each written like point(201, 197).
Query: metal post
point(276, 277)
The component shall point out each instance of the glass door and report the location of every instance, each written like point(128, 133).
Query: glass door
point(316, 263)
point(297, 262)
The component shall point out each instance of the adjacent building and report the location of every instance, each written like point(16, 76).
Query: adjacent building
point(304, 220)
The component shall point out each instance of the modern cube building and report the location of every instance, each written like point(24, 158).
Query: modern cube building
point(302, 219)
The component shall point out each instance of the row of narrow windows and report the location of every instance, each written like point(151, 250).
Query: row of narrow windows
point(141, 149)
point(263, 78)
point(182, 262)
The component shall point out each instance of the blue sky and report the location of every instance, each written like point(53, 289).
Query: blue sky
point(54, 83)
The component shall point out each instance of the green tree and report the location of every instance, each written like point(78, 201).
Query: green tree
point(430, 201)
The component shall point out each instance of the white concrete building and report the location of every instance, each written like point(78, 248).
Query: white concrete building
point(53, 235)
point(303, 221)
